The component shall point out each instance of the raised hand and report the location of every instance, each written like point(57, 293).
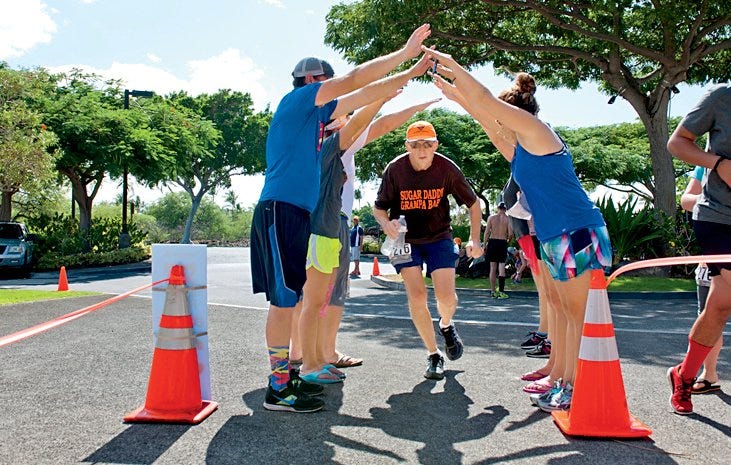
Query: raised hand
point(449, 90)
point(443, 58)
point(414, 44)
point(421, 67)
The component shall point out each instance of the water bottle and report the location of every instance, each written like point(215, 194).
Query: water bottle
point(397, 249)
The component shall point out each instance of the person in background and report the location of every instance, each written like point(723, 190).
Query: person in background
point(497, 233)
point(356, 246)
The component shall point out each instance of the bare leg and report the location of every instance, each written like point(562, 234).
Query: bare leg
point(330, 326)
point(493, 273)
point(709, 372)
point(279, 325)
point(444, 290)
point(548, 303)
point(574, 294)
point(416, 292)
point(315, 291)
point(295, 345)
point(709, 325)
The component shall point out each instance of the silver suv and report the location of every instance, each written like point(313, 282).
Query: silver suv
point(16, 247)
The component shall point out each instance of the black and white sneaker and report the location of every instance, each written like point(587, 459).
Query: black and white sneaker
point(453, 346)
point(290, 400)
point(299, 385)
point(434, 367)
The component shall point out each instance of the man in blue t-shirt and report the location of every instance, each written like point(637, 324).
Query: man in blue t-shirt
point(281, 223)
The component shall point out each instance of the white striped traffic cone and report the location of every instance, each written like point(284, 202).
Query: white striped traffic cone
point(598, 403)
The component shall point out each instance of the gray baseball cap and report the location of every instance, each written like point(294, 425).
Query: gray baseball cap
point(314, 67)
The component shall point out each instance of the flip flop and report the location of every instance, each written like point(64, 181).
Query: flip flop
point(321, 377)
point(346, 361)
point(533, 376)
point(331, 368)
point(538, 387)
point(706, 388)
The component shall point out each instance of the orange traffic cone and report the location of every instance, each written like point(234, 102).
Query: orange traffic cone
point(174, 391)
point(599, 404)
point(376, 271)
point(63, 283)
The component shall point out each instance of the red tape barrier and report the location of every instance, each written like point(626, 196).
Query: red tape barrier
point(33, 330)
point(687, 260)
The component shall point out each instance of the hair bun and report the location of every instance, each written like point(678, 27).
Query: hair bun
point(525, 83)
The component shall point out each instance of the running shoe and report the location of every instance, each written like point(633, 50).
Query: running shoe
point(290, 400)
point(304, 387)
point(559, 401)
point(501, 295)
point(548, 395)
point(534, 338)
point(542, 350)
point(680, 397)
point(453, 346)
point(434, 367)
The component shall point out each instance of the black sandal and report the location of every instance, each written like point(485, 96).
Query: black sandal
point(706, 388)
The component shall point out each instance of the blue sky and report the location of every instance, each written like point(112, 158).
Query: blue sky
point(247, 45)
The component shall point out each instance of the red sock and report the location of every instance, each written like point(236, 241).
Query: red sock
point(693, 360)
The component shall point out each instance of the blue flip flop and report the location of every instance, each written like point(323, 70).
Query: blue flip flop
point(334, 370)
point(321, 377)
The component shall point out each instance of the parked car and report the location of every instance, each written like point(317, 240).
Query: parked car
point(16, 247)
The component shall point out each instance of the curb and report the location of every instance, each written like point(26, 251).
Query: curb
point(144, 266)
point(632, 295)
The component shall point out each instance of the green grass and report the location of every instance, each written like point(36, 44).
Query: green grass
point(621, 284)
point(14, 296)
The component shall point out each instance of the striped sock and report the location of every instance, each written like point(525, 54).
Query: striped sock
point(279, 364)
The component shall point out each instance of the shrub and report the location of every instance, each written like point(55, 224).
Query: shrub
point(53, 261)
point(371, 244)
point(632, 231)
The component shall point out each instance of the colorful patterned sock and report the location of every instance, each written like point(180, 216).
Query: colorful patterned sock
point(279, 364)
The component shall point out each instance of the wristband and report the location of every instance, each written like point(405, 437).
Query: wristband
point(718, 162)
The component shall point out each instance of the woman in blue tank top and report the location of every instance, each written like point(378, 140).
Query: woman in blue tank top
point(570, 228)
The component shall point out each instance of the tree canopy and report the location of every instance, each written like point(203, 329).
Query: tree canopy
point(639, 50)
point(25, 161)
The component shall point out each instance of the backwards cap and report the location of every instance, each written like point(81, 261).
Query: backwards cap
point(420, 130)
point(314, 67)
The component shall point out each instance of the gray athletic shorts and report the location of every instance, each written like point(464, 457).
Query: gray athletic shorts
point(342, 282)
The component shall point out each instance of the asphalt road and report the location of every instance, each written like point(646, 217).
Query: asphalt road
point(65, 391)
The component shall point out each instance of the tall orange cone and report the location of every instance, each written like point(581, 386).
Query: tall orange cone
point(174, 391)
point(63, 282)
point(598, 403)
point(376, 271)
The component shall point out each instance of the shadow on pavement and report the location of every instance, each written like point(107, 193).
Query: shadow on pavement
point(139, 444)
point(436, 420)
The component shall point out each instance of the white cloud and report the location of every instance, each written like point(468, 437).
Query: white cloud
point(153, 58)
point(227, 70)
point(277, 3)
point(23, 25)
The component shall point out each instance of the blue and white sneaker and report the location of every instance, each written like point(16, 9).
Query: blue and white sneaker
point(548, 395)
point(560, 401)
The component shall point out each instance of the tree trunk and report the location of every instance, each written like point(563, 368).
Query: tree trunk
point(195, 203)
point(6, 206)
point(656, 125)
